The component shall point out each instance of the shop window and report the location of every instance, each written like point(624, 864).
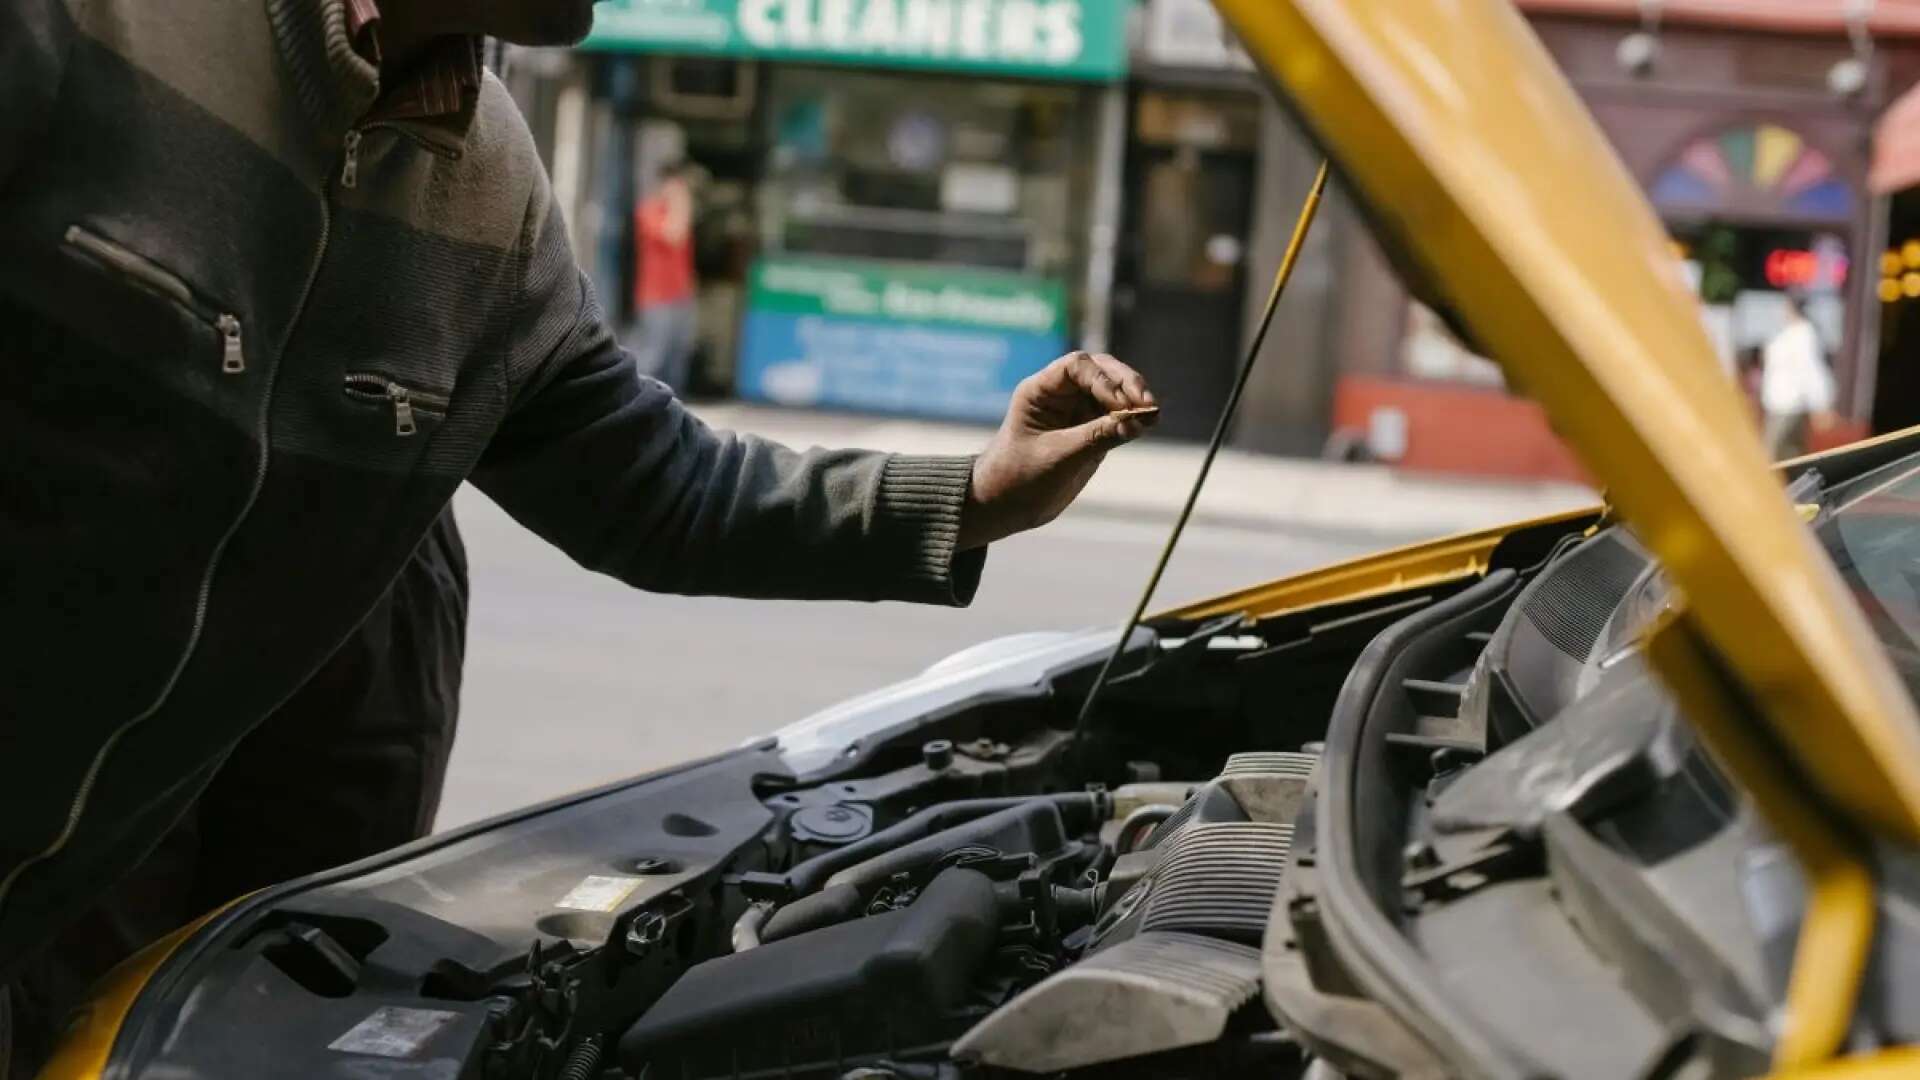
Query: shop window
point(1759, 215)
point(1745, 273)
point(699, 88)
point(927, 169)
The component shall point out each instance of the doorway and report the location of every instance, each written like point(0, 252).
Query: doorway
point(1896, 399)
point(1180, 279)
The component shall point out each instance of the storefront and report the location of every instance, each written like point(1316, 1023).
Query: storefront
point(1751, 130)
point(898, 198)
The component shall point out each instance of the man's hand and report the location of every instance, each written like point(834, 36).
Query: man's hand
point(1056, 432)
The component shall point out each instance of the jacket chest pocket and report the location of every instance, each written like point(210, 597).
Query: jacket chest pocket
point(411, 407)
point(228, 347)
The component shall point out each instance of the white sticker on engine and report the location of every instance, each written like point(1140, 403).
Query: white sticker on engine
point(393, 1031)
point(598, 892)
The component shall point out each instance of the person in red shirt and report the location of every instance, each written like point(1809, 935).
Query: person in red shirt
point(664, 285)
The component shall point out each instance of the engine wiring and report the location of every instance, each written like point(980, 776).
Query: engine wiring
point(1308, 209)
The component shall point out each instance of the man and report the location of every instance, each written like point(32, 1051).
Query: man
point(1796, 387)
point(280, 276)
point(664, 289)
point(351, 765)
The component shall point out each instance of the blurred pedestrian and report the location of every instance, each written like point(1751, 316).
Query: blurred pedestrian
point(665, 289)
point(1796, 386)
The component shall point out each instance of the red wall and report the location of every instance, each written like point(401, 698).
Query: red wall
point(1486, 432)
point(1460, 429)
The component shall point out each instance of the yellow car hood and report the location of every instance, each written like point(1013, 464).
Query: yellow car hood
point(1481, 168)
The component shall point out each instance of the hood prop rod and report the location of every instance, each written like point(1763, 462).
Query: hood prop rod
point(1300, 227)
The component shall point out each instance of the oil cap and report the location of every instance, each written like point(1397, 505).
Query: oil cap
point(840, 823)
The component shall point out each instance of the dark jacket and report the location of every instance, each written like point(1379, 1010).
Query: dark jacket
point(235, 391)
point(349, 766)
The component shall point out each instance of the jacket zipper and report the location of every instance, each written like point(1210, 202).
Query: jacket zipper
point(350, 144)
point(350, 159)
point(262, 429)
point(150, 276)
point(405, 399)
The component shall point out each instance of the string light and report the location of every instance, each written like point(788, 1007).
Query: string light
point(1899, 273)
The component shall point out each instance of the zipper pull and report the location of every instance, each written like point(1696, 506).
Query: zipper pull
point(350, 167)
point(402, 409)
point(233, 360)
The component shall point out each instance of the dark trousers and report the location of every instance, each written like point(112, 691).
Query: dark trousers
point(351, 765)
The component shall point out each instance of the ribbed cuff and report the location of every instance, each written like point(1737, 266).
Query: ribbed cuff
point(918, 517)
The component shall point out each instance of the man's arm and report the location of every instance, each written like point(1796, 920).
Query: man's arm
point(607, 465)
point(35, 37)
point(612, 469)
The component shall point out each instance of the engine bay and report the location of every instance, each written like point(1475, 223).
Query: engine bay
point(1448, 822)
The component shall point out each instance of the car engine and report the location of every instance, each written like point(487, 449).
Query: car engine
point(993, 890)
point(1449, 826)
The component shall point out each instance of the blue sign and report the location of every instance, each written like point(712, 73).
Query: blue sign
point(908, 340)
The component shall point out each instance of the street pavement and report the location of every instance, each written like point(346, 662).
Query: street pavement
point(574, 679)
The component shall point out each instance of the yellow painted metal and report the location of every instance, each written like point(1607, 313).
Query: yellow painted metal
point(1837, 929)
point(1435, 561)
point(1830, 956)
point(1899, 1063)
point(88, 1041)
point(1908, 435)
point(1481, 167)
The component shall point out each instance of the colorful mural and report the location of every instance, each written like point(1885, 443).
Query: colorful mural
point(1758, 166)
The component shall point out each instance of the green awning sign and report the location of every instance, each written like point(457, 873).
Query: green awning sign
point(1059, 39)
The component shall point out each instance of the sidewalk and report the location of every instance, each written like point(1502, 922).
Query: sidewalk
point(1150, 479)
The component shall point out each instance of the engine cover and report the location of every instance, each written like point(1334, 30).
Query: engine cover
point(872, 987)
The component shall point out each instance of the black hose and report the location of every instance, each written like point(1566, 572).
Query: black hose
point(807, 877)
point(1063, 816)
point(828, 907)
point(584, 1062)
point(747, 931)
point(905, 843)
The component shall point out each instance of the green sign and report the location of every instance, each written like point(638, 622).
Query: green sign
point(894, 337)
point(1061, 39)
point(910, 293)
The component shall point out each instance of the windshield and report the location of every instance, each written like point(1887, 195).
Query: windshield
point(1872, 534)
